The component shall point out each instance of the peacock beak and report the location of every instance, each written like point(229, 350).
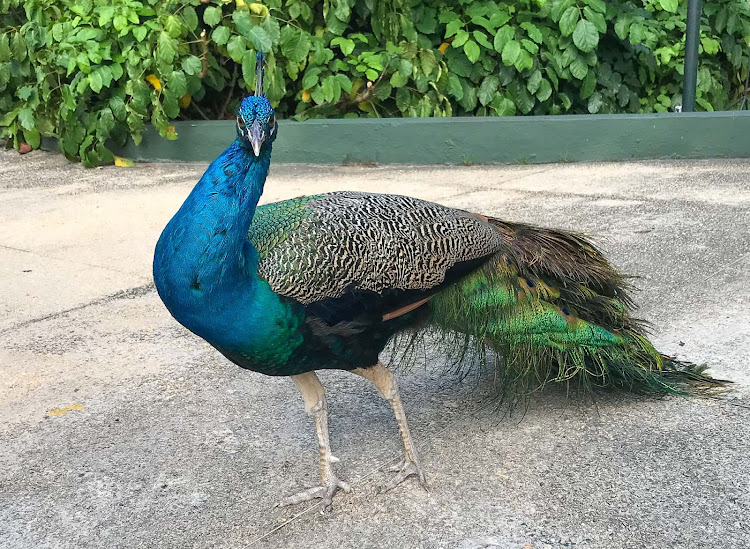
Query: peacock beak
point(256, 136)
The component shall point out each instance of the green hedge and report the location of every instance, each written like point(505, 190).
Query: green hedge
point(87, 71)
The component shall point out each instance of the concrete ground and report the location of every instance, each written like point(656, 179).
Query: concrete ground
point(119, 429)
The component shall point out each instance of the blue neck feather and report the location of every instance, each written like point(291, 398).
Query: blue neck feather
point(205, 269)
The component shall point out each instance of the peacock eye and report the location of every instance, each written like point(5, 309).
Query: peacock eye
point(272, 122)
point(240, 122)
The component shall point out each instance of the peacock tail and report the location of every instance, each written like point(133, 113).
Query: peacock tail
point(541, 329)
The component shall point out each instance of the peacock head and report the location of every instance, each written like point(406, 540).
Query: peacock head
point(256, 120)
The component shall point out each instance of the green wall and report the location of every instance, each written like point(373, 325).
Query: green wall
point(537, 139)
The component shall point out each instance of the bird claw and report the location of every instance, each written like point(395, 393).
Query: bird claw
point(404, 470)
point(324, 492)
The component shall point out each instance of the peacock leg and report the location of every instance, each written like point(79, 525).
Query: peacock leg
point(315, 405)
point(386, 385)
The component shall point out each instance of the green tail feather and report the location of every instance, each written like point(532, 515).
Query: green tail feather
point(542, 322)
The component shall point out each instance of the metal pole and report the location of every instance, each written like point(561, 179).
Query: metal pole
point(692, 38)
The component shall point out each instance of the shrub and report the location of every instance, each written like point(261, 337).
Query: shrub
point(89, 71)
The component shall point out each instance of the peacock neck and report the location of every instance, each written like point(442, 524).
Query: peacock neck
point(204, 254)
point(206, 270)
point(217, 214)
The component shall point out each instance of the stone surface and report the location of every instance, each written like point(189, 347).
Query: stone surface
point(176, 447)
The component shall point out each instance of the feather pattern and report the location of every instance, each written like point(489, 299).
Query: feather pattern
point(345, 241)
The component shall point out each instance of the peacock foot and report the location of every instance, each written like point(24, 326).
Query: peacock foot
point(404, 470)
point(324, 492)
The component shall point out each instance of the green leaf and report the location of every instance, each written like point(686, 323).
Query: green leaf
point(702, 102)
point(260, 39)
point(469, 100)
point(523, 99)
point(106, 13)
point(558, 8)
point(311, 77)
point(190, 17)
point(382, 91)
point(622, 26)
point(427, 62)
point(24, 92)
point(428, 22)
point(597, 19)
point(235, 47)
point(595, 102)
point(637, 33)
point(272, 28)
point(461, 37)
point(26, 118)
point(95, 81)
point(481, 38)
point(568, 20)
point(565, 99)
point(105, 123)
point(139, 33)
point(454, 87)
point(345, 44)
point(502, 37)
point(589, 83)
point(669, 5)
point(398, 80)
point(32, 137)
point(533, 32)
point(530, 46)
point(578, 68)
point(166, 50)
point(710, 46)
point(471, 49)
point(585, 36)
point(544, 91)
point(177, 83)
point(532, 84)
point(344, 82)
point(212, 16)
point(488, 89)
point(498, 19)
point(257, 35)
point(173, 26)
point(221, 34)
point(120, 22)
point(171, 106)
point(524, 61)
point(598, 5)
point(511, 51)
point(403, 99)
point(4, 48)
point(192, 65)
point(117, 104)
point(503, 106)
point(452, 27)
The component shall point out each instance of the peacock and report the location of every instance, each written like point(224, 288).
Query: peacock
point(327, 281)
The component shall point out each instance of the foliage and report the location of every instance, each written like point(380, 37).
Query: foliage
point(87, 71)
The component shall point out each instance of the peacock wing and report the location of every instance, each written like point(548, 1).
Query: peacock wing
point(322, 247)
